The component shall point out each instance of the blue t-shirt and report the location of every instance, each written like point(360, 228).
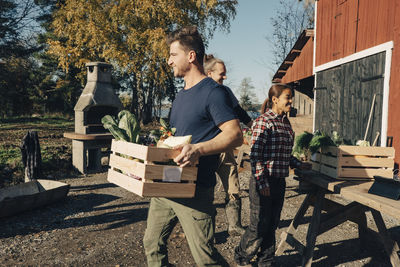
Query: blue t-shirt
point(198, 111)
point(233, 98)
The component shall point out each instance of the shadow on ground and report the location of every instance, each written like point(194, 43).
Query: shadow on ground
point(75, 211)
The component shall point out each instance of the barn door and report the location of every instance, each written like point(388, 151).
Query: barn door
point(344, 97)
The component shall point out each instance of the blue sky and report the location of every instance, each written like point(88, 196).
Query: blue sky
point(245, 50)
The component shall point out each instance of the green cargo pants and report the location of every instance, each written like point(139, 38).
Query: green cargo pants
point(197, 217)
point(228, 172)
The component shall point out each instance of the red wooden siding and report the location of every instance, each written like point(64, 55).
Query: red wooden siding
point(348, 26)
point(302, 65)
point(376, 21)
point(394, 86)
point(345, 27)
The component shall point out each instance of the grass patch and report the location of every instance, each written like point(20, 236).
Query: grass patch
point(56, 151)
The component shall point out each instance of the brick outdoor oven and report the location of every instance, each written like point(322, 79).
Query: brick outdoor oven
point(97, 100)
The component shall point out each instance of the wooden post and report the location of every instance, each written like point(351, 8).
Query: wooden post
point(288, 234)
point(313, 228)
point(391, 246)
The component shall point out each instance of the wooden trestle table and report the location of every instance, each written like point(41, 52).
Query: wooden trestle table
point(360, 201)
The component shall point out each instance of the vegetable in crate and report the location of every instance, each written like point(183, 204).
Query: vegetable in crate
point(128, 122)
point(174, 141)
point(110, 124)
point(126, 128)
point(319, 141)
point(164, 132)
point(301, 144)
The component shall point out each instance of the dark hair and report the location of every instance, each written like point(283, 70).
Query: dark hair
point(275, 90)
point(210, 61)
point(190, 39)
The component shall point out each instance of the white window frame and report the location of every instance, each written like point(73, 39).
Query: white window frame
point(385, 47)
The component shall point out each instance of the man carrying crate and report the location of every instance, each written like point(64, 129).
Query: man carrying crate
point(202, 109)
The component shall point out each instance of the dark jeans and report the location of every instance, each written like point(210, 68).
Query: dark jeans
point(265, 212)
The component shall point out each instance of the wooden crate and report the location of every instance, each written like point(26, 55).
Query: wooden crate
point(354, 162)
point(150, 179)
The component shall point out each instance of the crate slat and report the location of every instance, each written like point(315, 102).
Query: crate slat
point(366, 161)
point(354, 162)
point(129, 183)
point(144, 189)
point(330, 171)
point(329, 150)
point(127, 165)
point(364, 173)
point(146, 153)
point(148, 171)
point(329, 160)
point(367, 151)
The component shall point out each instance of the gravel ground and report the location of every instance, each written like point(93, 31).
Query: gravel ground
point(99, 224)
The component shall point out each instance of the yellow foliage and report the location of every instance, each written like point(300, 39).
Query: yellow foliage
point(131, 34)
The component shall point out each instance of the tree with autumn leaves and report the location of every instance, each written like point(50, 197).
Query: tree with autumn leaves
point(131, 34)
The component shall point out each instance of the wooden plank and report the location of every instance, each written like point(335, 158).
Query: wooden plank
point(313, 229)
point(366, 161)
point(364, 172)
point(367, 151)
point(78, 136)
point(146, 153)
point(128, 165)
point(149, 171)
point(129, 149)
point(162, 154)
point(354, 191)
point(181, 190)
point(362, 229)
point(294, 243)
point(129, 183)
point(154, 172)
point(333, 219)
point(316, 166)
point(391, 246)
point(331, 172)
point(294, 224)
point(329, 160)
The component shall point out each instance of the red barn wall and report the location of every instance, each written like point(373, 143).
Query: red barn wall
point(345, 27)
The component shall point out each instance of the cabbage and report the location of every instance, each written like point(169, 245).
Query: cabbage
point(126, 128)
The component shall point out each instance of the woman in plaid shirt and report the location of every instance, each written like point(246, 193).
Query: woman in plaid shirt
point(271, 150)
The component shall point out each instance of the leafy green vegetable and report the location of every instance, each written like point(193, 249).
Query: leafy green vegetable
point(129, 124)
point(319, 141)
point(110, 124)
point(302, 142)
point(125, 128)
point(336, 138)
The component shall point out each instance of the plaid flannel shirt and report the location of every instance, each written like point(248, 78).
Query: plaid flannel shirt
point(271, 147)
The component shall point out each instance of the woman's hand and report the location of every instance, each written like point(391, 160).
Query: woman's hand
point(265, 191)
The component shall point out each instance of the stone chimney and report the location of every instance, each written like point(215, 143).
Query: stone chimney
point(97, 99)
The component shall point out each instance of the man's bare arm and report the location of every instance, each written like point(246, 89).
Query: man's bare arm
point(229, 137)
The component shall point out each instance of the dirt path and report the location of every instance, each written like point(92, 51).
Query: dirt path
point(99, 224)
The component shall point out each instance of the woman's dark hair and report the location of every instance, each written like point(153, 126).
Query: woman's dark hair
point(275, 90)
point(189, 38)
